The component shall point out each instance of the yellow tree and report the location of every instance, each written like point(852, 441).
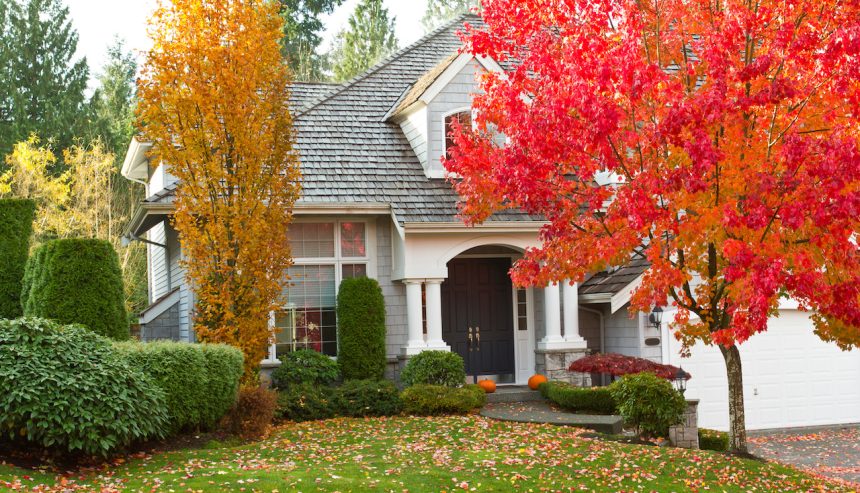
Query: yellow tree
point(213, 100)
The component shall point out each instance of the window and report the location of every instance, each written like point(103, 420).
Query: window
point(522, 309)
point(324, 253)
point(465, 120)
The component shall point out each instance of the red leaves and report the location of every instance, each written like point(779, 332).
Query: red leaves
point(731, 139)
point(618, 365)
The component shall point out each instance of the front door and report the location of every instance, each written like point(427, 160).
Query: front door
point(477, 314)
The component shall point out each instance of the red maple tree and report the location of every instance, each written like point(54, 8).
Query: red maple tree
point(719, 140)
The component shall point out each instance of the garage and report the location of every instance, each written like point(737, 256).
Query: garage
point(791, 378)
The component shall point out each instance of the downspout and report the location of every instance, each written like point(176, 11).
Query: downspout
point(602, 334)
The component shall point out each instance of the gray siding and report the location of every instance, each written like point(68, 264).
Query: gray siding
point(456, 95)
point(158, 263)
point(394, 292)
point(177, 278)
point(415, 130)
point(622, 333)
point(164, 326)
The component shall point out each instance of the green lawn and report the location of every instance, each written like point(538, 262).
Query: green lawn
point(427, 454)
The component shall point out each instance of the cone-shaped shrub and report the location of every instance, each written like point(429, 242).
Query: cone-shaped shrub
point(16, 227)
point(77, 281)
point(361, 329)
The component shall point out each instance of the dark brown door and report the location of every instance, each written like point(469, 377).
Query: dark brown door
point(478, 295)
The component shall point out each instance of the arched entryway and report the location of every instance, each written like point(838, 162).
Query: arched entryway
point(480, 313)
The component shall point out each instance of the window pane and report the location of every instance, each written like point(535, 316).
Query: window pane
point(352, 240)
point(310, 286)
point(465, 119)
point(312, 240)
point(354, 270)
point(522, 304)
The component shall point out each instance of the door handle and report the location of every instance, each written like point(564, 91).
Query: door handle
point(478, 337)
point(470, 339)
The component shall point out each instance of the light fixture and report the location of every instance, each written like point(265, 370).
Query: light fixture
point(656, 317)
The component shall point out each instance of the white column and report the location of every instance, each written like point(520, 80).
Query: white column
point(414, 320)
point(570, 297)
point(552, 318)
point(434, 315)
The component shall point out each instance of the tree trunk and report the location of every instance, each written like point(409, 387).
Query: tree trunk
point(737, 419)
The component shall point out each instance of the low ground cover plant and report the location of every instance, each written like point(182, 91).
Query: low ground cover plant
point(713, 440)
point(435, 400)
point(68, 389)
point(434, 368)
point(619, 365)
point(361, 398)
point(596, 400)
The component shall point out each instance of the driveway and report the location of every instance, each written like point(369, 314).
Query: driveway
point(832, 452)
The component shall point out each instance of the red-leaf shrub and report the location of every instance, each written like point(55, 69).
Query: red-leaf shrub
point(618, 365)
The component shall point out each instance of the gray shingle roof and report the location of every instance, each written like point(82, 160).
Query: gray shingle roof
point(614, 281)
point(349, 154)
point(304, 93)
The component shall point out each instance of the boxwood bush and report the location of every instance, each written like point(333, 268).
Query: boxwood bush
point(649, 403)
point(66, 388)
point(713, 440)
point(361, 329)
point(16, 227)
point(305, 402)
point(579, 399)
point(434, 368)
point(360, 398)
point(305, 366)
point(77, 281)
point(199, 381)
point(434, 400)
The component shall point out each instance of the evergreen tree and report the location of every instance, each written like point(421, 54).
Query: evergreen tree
point(441, 11)
point(112, 104)
point(43, 87)
point(369, 37)
point(302, 26)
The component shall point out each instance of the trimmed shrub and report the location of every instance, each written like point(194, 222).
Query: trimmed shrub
point(434, 368)
point(16, 227)
point(713, 440)
point(360, 398)
point(361, 329)
point(594, 399)
point(305, 366)
point(252, 414)
point(435, 400)
point(64, 387)
point(619, 365)
point(649, 403)
point(305, 402)
point(77, 281)
point(197, 391)
point(224, 367)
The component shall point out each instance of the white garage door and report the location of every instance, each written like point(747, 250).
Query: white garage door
point(791, 378)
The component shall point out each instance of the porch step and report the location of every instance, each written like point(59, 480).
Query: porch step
point(514, 393)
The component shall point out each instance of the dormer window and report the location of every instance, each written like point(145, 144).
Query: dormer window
point(464, 117)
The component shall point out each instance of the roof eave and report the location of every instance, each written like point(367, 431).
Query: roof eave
point(134, 167)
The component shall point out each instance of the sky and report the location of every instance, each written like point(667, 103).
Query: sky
point(99, 21)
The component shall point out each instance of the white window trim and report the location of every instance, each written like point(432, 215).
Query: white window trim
point(338, 261)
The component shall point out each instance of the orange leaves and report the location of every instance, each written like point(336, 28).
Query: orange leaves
point(214, 93)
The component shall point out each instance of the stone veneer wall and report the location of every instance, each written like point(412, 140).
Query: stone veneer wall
point(686, 434)
point(553, 363)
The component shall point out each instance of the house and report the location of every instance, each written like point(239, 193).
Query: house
point(375, 203)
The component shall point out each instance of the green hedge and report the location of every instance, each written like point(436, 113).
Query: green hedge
point(434, 400)
point(16, 227)
point(649, 403)
point(595, 399)
point(361, 329)
point(713, 440)
point(199, 381)
point(305, 366)
point(77, 281)
point(434, 368)
point(68, 389)
point(360, 398)
point(305, 402)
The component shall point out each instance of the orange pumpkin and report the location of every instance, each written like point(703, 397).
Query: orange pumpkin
point(535, 381)
point(489, 386)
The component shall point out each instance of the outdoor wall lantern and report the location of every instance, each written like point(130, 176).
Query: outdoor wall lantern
point(656, 317)
point(681, 380)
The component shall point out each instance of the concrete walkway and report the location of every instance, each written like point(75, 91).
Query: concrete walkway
point(543, 412)
point(833, 452)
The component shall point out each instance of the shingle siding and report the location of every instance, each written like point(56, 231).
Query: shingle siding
point(622, 333)
point(394, 292)
point(457, 95)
